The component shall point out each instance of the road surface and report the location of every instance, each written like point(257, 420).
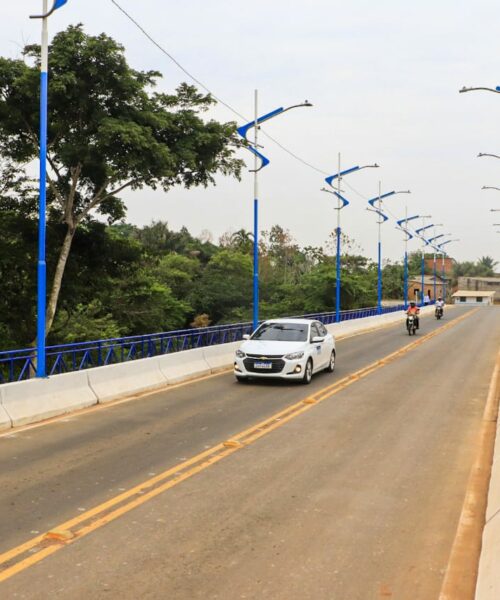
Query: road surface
point(353, 495)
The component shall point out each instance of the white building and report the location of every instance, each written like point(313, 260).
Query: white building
point(475, 298)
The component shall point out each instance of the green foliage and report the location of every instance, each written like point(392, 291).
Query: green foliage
point(483, 267)
point(224, 290)
point(393, 277)
point(108, 130)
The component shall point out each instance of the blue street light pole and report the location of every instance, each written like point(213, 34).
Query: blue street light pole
point(409, 236)
point(440, 246)
point(425, 243)
point(258, 156)
point(342, 203)
point(434, 273)
point(42, 208)
point(383, 218)
point(436, 249)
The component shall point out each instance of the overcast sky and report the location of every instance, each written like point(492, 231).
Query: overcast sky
point(383, 77)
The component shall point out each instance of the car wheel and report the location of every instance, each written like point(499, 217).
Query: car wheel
point(331, 365)
point(308, 371)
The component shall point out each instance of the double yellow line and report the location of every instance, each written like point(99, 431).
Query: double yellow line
point(36, 549)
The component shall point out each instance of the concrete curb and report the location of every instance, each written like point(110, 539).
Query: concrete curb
point(488, 579)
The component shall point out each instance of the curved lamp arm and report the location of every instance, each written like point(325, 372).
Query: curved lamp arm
point(330, 178)
point(386, 195)
point(406, 232)
point(474, 89)
point(418, 231)
point(243, 130)
point(57, 4)
point(380, 214)
point(401, 221)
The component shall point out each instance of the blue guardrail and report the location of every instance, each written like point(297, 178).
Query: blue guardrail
point(18, 365)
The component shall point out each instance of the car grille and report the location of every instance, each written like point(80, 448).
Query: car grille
point(265, 357)
point(277, 364)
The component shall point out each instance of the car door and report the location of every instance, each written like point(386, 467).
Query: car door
point(328, 343)
point(318, 350)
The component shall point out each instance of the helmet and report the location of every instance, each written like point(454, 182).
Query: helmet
point(439, 298)
point(412, 304)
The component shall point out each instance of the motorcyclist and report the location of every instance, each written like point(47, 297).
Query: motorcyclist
point(415, 311)
point(440, 305)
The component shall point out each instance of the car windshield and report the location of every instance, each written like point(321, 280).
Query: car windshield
point(282, 332)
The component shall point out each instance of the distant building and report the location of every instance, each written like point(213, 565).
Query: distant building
point(481, 284)
point(448, 264)
point(476, 298)
point(415, 287)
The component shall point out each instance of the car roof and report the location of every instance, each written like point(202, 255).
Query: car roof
point(295, 321)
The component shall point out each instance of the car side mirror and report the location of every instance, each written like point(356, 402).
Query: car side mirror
point(246, 336)
point(317, 339)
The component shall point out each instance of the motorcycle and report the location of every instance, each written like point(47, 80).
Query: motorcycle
point(411, 324)
point(438, 312)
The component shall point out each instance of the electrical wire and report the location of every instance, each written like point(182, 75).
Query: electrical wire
point(209, 91)
point(232, 109)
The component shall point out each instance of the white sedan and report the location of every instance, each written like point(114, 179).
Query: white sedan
point(287, 349)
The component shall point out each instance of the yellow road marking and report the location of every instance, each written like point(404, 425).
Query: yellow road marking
point(167, 388)
point(44, 545)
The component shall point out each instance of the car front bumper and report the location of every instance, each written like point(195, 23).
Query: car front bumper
point(292, 369)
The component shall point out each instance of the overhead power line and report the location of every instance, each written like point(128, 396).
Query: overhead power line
point(209, 91)
point(226, 104)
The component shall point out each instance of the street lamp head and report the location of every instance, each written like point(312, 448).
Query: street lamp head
point(306, 103)
point(487, 154)
point(486, 89)
point(403, 192)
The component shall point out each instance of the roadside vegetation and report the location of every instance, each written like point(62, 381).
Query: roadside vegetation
point(111, 130)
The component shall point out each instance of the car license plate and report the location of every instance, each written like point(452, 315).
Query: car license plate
point(263, 365)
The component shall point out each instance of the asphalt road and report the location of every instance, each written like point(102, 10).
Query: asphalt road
point(357, 498)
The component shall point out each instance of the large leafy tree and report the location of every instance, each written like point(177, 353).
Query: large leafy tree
point(108, 131)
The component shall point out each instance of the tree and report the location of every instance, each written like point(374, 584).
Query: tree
point(224, 290)
point(486, 265)
point(108, 131)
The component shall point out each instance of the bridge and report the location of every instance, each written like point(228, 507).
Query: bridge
point(350, 488)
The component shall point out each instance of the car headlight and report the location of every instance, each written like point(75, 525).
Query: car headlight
point(294, 355)
point(240, 354)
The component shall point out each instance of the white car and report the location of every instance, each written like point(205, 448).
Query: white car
point(287, 349)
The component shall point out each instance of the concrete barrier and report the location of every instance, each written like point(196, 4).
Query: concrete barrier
point(350, 327)
point(181, 366)
point(125, 379)
point(35, 400)
point(5, 422)
point(38, 399)
point(220, 357)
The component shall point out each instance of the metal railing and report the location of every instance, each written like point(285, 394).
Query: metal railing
point(19, 365)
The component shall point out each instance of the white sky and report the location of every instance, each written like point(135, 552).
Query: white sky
point(383, 77)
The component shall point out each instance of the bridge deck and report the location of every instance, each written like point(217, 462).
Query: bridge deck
point(355, 497)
